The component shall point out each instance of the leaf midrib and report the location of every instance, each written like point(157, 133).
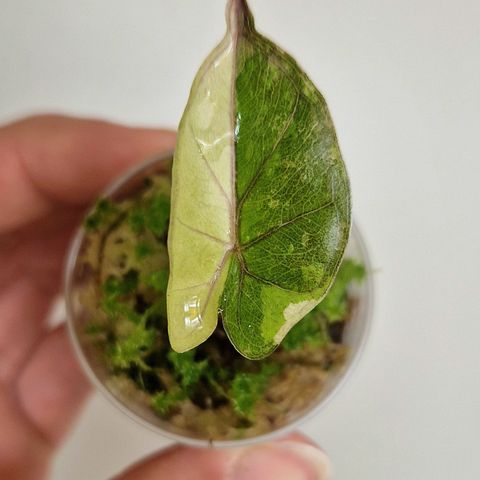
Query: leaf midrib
point(234, 207)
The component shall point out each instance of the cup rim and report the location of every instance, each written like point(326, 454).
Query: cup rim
point(349, 368)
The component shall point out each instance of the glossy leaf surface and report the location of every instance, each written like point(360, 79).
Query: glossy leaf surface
point(260, 197)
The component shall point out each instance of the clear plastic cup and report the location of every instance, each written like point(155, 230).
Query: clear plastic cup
point(354, 336)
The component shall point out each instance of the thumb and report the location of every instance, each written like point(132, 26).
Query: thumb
point(293, 458)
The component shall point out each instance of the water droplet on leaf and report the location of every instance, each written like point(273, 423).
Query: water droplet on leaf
point(192, 315)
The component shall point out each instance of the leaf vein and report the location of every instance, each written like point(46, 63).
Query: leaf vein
point(214, 280)
point(267, 157)
point(268, 282)
point(211, 171)
point(284, 224)
point(201, 232)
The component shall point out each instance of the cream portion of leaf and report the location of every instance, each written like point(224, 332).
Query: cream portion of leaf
point(201, 225)
point(292, 314)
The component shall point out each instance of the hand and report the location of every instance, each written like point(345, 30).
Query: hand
point(51, 167)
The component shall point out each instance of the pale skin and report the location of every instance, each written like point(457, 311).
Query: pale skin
point(51, 168)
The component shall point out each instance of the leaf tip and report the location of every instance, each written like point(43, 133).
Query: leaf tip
point(182, 337)
point(239, 17)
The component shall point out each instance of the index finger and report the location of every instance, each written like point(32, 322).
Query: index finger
point(50, 160)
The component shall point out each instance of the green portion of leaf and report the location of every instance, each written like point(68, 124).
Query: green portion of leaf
point(262, 249)
point(248, 388)
point(293, 206)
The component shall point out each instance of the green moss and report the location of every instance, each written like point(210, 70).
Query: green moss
point(103, 211)
point(143, 250)
point(136, 219)
point(116, 309)
point(309, 331)
point(164, 402)
point(115, 287)
point(157, 215)
point(335, 305)
point(114, 291)
point(247, 388)
point(312, 329)
point(187, 371)
point(157, 280)
point(152, 214)
point(133, 347)
point(133, 328)
point(94, 329)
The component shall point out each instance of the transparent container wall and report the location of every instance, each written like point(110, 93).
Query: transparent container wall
point(358, 327)
point(131, 402)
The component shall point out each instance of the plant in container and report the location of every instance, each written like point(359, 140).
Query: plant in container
point(209, 293)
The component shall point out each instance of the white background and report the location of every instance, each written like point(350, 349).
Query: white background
point(402, 79)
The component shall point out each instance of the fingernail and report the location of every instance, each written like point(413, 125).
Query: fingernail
point(281, 461)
